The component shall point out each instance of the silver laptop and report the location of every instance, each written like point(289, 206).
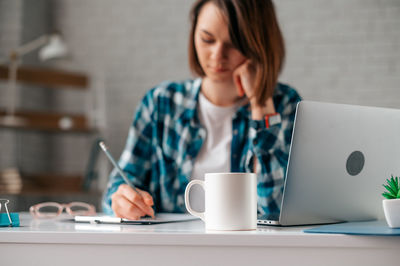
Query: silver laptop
point(339, 158)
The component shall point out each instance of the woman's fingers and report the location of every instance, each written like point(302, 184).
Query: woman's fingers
point(137, 199)
point(148, 199)
point(132, 202)
point(243, 77)
point(124, 208)
point(239, 86)
point(237, 78)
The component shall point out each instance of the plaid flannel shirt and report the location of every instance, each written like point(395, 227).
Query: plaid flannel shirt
point(166, 136)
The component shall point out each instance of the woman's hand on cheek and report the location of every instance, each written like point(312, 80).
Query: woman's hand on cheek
point(243, 77)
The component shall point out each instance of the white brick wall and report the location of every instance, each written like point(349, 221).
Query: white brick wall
point(10, 25)
point(338, 51)
point(22, 21)
point(10, 28)
point(344, 50)
point(136, 44)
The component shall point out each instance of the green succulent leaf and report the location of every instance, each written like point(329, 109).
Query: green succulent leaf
point(392, 187)
point(387, 195)
point(392, 183)
point(396, 180)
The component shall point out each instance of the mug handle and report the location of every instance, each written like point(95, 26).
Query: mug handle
point(187, 203)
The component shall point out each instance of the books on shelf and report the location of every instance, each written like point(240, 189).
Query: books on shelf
point(10, 181)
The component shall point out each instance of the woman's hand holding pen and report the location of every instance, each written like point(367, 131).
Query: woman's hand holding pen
point(244, 79)
point(127, 203)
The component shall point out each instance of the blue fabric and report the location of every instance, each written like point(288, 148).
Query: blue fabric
point(166, 136)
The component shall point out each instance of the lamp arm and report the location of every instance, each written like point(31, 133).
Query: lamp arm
point(15, 55)
point(12, 86)
point(14, 60)
point(29, 47)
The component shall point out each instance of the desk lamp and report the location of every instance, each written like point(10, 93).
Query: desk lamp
point(52, 46)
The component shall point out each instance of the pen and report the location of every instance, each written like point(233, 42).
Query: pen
point(105, 149)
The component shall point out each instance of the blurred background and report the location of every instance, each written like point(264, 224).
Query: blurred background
point(344, 51)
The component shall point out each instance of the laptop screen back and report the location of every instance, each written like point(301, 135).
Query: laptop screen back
point(340, 157)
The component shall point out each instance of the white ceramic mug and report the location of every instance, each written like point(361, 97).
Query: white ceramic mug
point(230, 201)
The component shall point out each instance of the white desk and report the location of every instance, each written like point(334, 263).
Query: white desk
point(187, 243)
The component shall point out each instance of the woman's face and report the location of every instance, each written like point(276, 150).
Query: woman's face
point(214, 49)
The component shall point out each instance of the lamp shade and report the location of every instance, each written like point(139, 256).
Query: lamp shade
point(55, 48)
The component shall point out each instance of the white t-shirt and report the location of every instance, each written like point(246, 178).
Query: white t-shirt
point(215, 153)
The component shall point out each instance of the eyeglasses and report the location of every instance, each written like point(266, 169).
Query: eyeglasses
point(53, 209)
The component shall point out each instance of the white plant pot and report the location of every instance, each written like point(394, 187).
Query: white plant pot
point(391, 208)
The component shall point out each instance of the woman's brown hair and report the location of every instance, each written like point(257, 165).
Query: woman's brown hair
point(254, 31)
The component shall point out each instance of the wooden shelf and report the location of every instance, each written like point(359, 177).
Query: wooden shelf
point(48, 77)
point(47, 121)
point(56, 194)
point(55, 122)
point(51, 183)
point(47, 183)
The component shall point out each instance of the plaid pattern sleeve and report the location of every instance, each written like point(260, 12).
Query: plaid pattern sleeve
point(271, 148)
point(166, 136)
point(134, 160)
point(163, 141)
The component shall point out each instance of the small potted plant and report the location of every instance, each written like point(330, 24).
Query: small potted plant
point(391, 205)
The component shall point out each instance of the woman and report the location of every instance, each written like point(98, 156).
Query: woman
point(234, 118)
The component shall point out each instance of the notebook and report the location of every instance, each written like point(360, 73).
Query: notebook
point(339, 158)
point(158, 219)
